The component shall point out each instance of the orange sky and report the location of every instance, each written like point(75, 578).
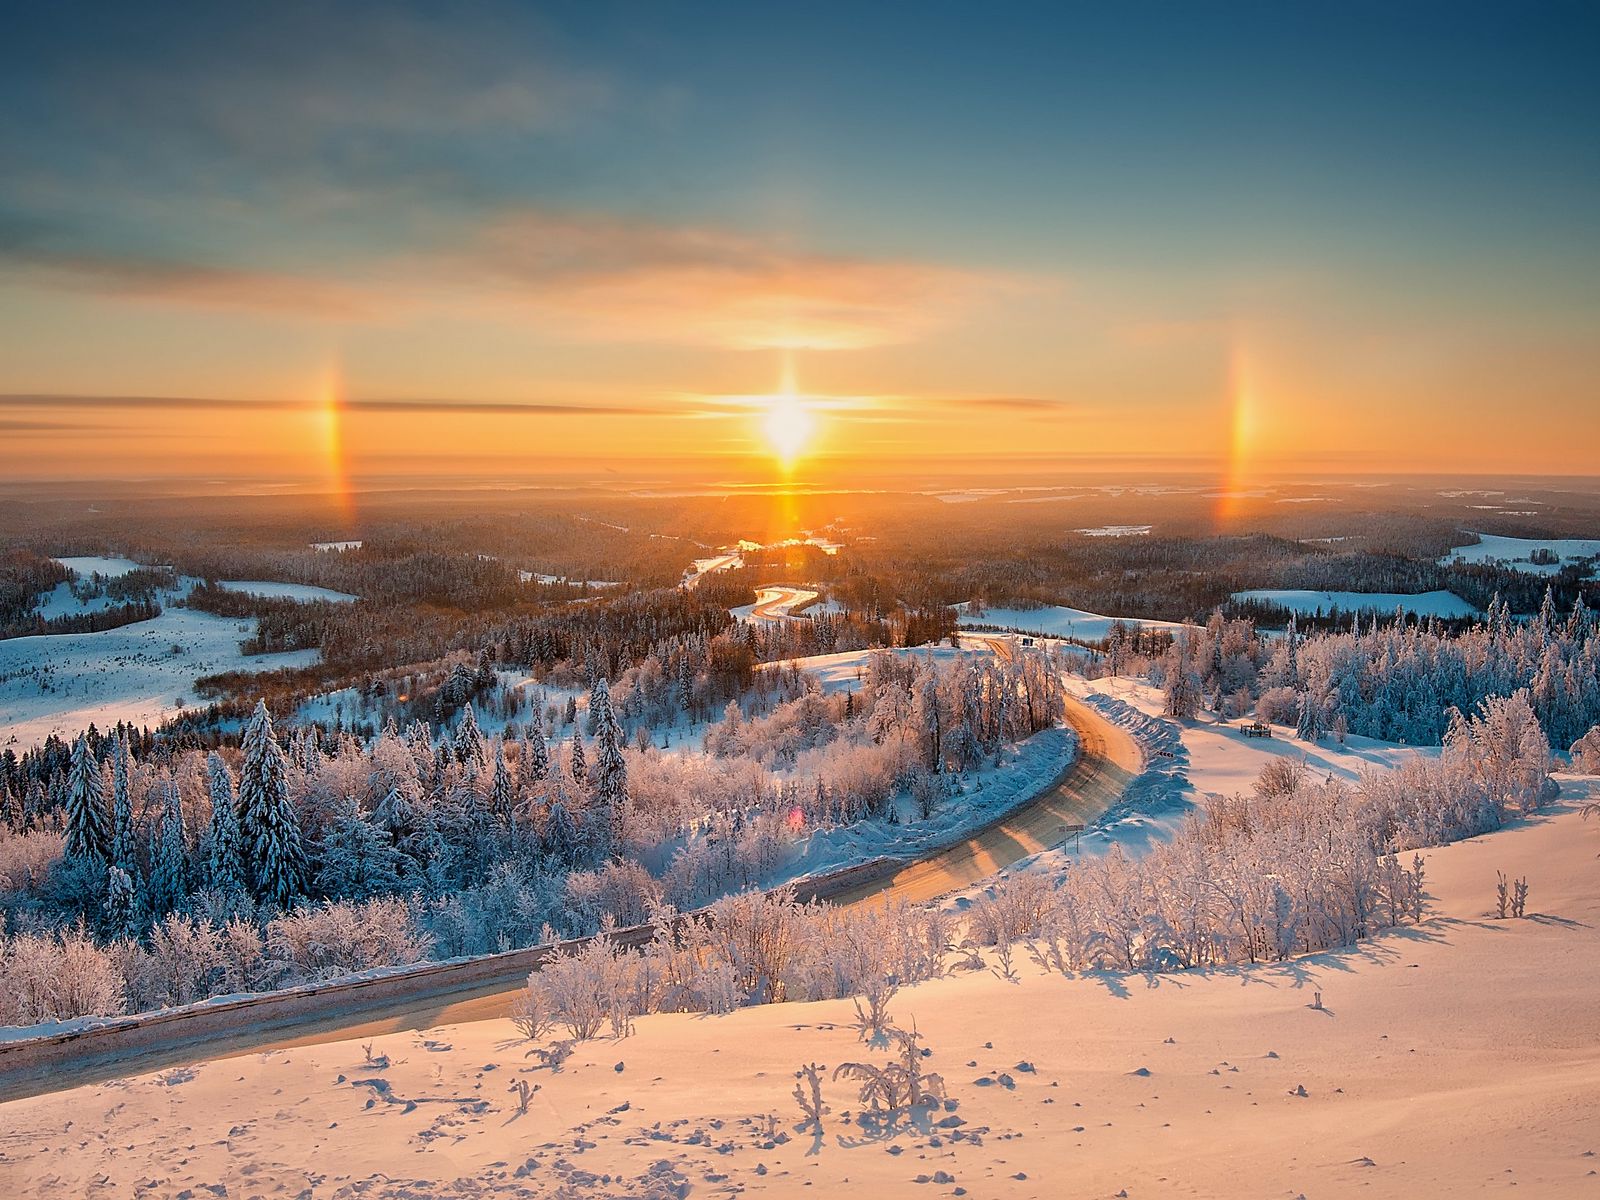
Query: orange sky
point(1310, 239)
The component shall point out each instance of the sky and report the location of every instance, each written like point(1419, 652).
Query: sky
point(819, 242)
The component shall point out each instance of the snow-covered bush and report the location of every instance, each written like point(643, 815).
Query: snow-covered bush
point(57, 978)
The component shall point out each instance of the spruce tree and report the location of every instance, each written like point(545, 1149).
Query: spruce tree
point(579, 764)
point(88, 830)
point(122, 850)
point(225, 862)
point(502, 797)
point(122, 903)
point(608, 779)
point(358, 860)
point(468, 741)
point(169, 869)
point(269, 830)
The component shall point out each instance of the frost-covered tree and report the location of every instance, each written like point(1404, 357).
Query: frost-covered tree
point(168, 888)
point(88, 831)
point(608, 779)
point(269, 828)
point(535, 753)
point(468, 740)
point(122, 848)
point(357, 859)
point(578, 763)
point(122, 903)
point(224, 860)
point(1586, 753)
point(1310, 726)
point(502, 796)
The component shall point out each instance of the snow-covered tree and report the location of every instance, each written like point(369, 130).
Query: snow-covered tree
point(88, 830)
point(224, 858)
point(357, 859)
point(168, 888)
point(122, 847)
point(269, 828)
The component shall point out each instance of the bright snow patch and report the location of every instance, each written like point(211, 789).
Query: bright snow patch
point(1058, 621)
point(1116, 531)
point(1307, 603)
point(91, 564)
point(1515, 552)
point(339, 547)
point(142, 673)
point(268, 590)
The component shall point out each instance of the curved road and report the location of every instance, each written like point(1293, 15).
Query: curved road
point(1107, 760)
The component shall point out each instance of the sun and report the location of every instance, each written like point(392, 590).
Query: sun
point(788, 426)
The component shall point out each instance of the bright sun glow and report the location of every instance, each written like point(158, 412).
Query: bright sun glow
point(788, 425)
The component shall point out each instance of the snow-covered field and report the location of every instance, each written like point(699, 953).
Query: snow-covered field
point(141, 673)
point(1451, 1058)
point(1514, 552)
point(1058, 621)
point(93, 564)
point(845, 671)
point(1426, 604)
point(1115, 531)
point(283, 591)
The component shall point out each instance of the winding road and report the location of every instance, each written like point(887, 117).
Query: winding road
point(482, 989)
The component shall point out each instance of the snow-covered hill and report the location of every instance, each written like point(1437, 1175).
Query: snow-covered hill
point(1452, 1057)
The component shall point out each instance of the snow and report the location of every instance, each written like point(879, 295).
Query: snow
point(1058, 621)
point(1427, 604)
point(776, 604)
point(1115, 531)
point(1185, 762)
point(1514, 552)
point(536, 577)
point(844, 671)
point(60, 602)
point(1449, 1058)
point(1025, 770)
point(283, 591)
point(59, 683)
point(86, 565)
point(338, 547)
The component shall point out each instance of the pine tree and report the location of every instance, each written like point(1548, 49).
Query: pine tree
point(502, 797)
point(468, 740)
point(609, 779)
point(169, 869)
point(122, 849)
point(268, 827)
point(1310, 727)
point(122, 903)
point(535, 754)
point(225, 863)
point(358, 860)
point(579, 764)
point(88, 831)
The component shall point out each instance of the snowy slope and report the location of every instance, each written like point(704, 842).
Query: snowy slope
point(1448, 1059)
point(1514, 552)
point(283, 591)
point(140, 673)
point(1426, 604)
point(1058, 621)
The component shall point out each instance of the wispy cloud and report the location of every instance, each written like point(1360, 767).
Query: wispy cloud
point(100, 403)
point(573, 275)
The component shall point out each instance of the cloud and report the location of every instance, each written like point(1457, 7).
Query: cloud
point(608, 277)
point(582, 276)
point(72, 402)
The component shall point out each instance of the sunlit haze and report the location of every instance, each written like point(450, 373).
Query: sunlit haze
point(528, 240)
